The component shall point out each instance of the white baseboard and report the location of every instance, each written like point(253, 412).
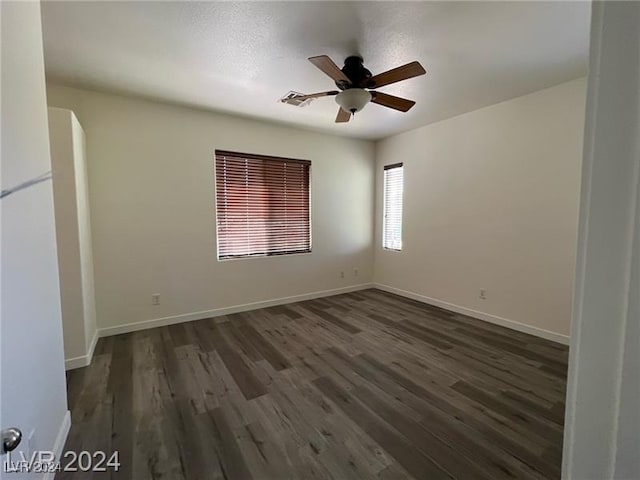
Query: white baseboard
point(188, 317)
point(61, 439)
point(83, 360)
point(487, 317)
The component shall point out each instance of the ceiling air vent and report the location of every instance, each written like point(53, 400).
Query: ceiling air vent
point(290, 99)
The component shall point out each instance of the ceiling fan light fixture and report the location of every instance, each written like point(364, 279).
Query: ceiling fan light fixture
point(353, 100)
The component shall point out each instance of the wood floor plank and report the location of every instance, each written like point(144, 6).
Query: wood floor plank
point(545, 430)
point(178, 334)
point(431, 446)
point(406, 454)
point(499, 432)
point(292, 314)
point(347, 327)
point(360, 386)
point(264, 459)
point(410, 331)
point(234, 465)
point(266, 349)
point(120, 385)
point(231, 331)
point(244, 378)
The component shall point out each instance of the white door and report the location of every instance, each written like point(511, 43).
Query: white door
point(32, 382)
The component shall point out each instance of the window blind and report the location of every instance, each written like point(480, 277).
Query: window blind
point(262, 205)
point(392, 209)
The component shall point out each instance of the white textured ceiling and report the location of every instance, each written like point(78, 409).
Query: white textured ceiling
point(241, 57)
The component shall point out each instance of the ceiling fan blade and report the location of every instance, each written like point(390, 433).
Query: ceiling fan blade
point(397, 103)
point(410, 70)
point(311, 95)
point(325, 64)
point(342, 116)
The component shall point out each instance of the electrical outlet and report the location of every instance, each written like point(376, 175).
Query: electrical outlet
point(155, 299)
point(483, 294)
point(355, 272)
point(341, 274)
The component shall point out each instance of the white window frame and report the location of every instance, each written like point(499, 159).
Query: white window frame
point(396, 169)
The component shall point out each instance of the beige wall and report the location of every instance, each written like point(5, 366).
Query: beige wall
point(151, 187)
point(491, 202)
point(84, 234)
point(73, 234)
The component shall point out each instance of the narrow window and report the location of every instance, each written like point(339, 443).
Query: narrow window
point(392, 209)
point(262, 205)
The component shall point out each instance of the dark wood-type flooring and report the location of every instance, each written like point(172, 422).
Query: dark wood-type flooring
point(364, 385)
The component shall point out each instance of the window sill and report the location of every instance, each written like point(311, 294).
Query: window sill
point(254, 257)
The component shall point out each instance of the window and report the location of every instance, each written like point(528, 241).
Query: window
point(392, 209)
point(262, 205)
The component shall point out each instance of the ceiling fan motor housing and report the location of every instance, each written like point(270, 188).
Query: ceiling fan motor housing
point(356, 72)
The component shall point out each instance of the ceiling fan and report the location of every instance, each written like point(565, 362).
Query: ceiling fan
point(356, 85)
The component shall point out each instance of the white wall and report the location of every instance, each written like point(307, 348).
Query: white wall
point(153, 212)
point(491, 202)
point(602, 426)
point(73, 233)
point(32, 393)
point(84, 233)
